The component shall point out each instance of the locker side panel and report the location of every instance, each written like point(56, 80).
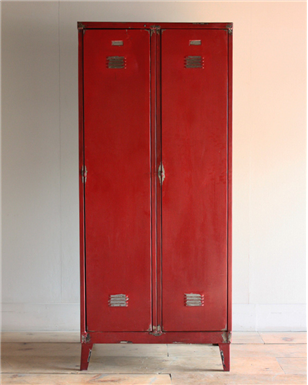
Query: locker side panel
point(117, 189)
point(194, 192)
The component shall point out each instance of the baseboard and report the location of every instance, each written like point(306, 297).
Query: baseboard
point(40, 317)
point(269, 317)
point(65, 317)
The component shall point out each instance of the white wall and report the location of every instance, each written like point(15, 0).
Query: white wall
point(40, 263)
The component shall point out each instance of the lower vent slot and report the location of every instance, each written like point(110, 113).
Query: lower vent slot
point(193, 299)
point(118, 300)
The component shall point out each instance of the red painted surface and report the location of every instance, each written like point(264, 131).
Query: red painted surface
point(81, 187)
point(155, 132)
point(229, 208)
point(117, 190)
point(165, 338)
point(86, 349)
point(130, 25)
point(137, 238)
point(194, 193)
point(159, 191)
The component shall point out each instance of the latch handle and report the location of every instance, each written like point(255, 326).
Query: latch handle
point(161, 173)
point(84, 173)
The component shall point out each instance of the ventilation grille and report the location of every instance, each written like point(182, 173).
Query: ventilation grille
point(118, 62)
point(194, 42)
point(118, 300)
point(194, 62)
point(194, 299)
point(117, 42)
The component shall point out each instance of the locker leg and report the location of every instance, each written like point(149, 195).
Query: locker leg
point(86, 349)
point(225, 356)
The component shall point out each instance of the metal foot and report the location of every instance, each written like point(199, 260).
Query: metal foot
point(225, 356)
point(86, 349)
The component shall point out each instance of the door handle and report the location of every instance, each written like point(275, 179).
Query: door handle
point(161, 173)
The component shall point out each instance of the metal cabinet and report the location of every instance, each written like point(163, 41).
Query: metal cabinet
point(155, 108)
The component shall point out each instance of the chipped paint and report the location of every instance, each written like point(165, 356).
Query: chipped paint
point(80, 25)
point(225, 328)
point(222, 358)
point(155, 29)
point(89, 356)
point(157, 331)
point(85, 338)
point(226, 337)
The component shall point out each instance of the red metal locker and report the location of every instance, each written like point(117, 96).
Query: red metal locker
point(194, 192)
point(155, 183)
point(117, 192)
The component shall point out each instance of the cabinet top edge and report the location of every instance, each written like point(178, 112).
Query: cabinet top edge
point(116, 25)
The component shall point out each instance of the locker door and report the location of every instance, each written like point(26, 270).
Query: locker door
point(117, 189)
point(194, 192)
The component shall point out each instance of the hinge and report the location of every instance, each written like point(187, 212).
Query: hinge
point(84, 173)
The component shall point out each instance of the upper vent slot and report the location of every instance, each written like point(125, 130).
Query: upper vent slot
point(194, 42)
point(194, 62)
point(116, 62)
point(117, 42)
